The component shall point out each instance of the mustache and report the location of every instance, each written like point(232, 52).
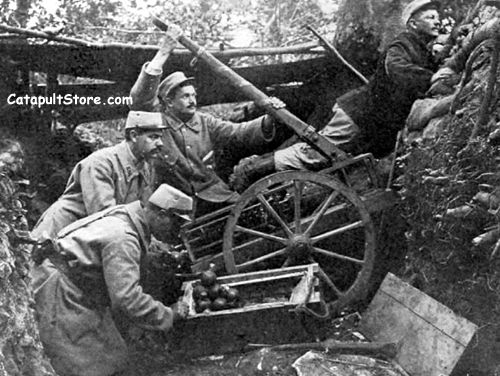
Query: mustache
point(153, 153)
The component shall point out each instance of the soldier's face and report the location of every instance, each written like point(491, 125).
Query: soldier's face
point(183, 104)
point(148, 144)
point(166, 227)
point(426, 22)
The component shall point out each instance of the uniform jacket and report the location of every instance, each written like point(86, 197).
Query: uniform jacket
point(402, 76)
point(187, 144)
point(82, 313)
point(106, 178)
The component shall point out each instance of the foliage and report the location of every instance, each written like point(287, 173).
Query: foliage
point(211, 23)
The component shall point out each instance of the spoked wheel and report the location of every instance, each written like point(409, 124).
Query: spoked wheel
point(301, 217)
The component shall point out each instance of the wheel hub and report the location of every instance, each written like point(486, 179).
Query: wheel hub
point(299, 246)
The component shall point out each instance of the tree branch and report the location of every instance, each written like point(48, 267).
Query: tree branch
point(306, 48)
point(125, 31)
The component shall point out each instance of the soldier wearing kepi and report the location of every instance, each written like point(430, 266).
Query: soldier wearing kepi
point(112, 176)
point(88, 292)
point(367, 119)
point(192, 136)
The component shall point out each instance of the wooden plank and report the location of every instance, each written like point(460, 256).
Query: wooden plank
point(459, 328)
point(267, 322)
point(431, 337)
point(232, 333)
point(258, 281)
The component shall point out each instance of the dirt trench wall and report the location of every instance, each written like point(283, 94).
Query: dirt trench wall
point(21, 352)
point(442, 174)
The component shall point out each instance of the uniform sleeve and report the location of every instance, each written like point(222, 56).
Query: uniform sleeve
point(98, 187)
point(144, 93)
point(404, 72)
point(121, 266)
point(246, 134)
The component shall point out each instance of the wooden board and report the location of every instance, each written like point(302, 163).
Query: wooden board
point(430, 336)
point(270, 322)
point(264, 283)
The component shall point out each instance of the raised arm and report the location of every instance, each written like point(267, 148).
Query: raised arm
point(144, 93)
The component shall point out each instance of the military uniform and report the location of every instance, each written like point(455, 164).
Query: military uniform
point(187, 144)
point(88, 296)
point(367, 119)
point(108, 177)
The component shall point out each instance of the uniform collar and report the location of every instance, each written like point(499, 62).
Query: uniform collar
point(175, 123)
point(422, 40)
point(129, 162)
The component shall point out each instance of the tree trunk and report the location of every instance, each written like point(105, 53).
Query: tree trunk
point(22, 11)
point(365, 28)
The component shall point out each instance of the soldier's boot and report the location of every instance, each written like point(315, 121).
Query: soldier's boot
point(251, 169)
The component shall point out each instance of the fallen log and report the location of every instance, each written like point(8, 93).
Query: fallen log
point(312, 48)
point(383, 349)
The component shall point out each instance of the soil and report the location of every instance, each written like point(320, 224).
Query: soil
point(152, 358)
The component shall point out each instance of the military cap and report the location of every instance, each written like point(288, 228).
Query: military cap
point(170, 198)
point(171, 82)
point(144, 120)
point(416, 5)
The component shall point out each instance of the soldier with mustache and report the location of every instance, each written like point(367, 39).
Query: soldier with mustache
point(192, 136)
point(111, 176)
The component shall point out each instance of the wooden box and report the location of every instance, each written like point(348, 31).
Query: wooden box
point(431, 337)
point(266, 313)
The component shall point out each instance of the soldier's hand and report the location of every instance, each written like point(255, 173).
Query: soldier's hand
point(277, 103)
point(170, 39)
point(443, 74)
point(180, 310)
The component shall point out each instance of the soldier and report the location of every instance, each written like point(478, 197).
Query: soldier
point(191, 136)
point(112, 176)
point(367, 119)
point(88, 291)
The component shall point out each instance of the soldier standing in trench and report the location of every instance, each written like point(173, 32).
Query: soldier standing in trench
point(112, 176)
point(367, 119)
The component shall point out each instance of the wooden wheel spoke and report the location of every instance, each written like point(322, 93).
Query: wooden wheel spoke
point(297, 185)
point(273, 212)
point(324, 277)
point(321, 211)
point(332, 214)
point(287, 262)
point(260, 234)
point(261, 259)
point(337, 231)
point(337, 255)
